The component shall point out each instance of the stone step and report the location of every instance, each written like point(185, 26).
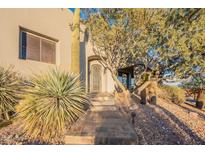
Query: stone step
point(103, 124)
point(100, 94)
point(97, 103)
point(106, 128)
point(103, 115)
point(101, 98)
point(114, 141)
point(90, 140)
point(78, 140)
point(101, 121)
point(104, 108)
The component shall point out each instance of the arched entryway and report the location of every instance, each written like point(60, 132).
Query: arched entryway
point(95, 78)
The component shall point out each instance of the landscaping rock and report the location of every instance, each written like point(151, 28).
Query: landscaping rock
point(200, 104)
point(153, 100)
point(193, 115)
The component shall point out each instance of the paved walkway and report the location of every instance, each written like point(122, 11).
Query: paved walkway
point(103, 124)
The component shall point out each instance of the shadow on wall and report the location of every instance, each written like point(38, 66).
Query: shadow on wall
point(82, 61)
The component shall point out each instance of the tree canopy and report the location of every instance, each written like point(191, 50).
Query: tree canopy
point(168, 41)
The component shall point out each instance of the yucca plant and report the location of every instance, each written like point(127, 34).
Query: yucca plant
point(52, 101)
point(10, 87)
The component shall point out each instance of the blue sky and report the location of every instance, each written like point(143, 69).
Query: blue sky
point(82, 15)
point(72, 9)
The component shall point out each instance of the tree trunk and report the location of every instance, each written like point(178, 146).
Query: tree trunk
point(148, 89)
point(75, 47)
point(118, 83)
point(123, 95)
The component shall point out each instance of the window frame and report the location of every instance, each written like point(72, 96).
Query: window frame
point(42, 37)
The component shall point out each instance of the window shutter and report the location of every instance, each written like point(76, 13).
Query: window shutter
point(33, 48)
point(23, 42)
point(48, 53)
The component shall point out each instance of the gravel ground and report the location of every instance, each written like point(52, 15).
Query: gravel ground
point(12, 135)
point(192, 119)
point(167, 123)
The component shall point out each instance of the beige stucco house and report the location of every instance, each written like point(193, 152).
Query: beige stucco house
point(34, 40)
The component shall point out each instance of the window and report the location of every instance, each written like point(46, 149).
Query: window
point(34, 46)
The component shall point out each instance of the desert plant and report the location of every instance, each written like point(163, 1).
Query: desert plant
point(9, 91)
point(195, 86)
point(175, 94)
point(52, 101)
point(75, 47)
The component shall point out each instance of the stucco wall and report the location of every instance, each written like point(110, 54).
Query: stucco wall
point(107, 81)
point(51, 22)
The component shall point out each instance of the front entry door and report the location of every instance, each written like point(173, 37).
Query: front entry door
point(95, 84)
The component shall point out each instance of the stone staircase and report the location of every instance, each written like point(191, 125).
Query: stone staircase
point(103, 124)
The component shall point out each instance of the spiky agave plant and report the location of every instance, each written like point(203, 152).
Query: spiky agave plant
point(9, 91)
point(52, 101)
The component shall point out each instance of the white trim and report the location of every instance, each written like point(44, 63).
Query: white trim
point(41, 37)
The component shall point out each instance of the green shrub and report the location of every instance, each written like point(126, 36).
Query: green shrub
point(52, 101)
point(10, 87)
point(175, 94)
